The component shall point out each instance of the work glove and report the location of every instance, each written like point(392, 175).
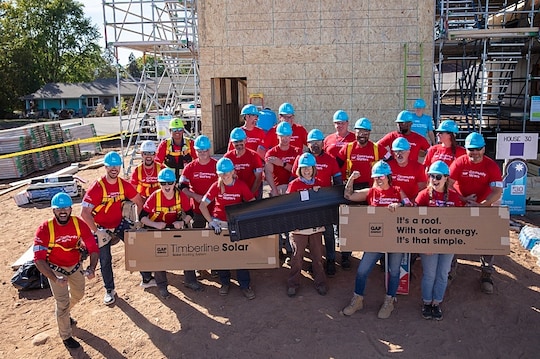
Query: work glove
point(102, 237)
point(215, 225)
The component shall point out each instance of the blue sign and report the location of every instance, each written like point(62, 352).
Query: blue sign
point(515, 187)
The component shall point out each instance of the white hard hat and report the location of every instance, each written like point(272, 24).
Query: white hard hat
point(148, 146)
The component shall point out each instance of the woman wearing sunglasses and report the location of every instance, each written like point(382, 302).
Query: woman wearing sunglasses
point(381, 194)
point(436, 266)
point(447, 150)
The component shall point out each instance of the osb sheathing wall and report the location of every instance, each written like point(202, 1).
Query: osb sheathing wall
point(320, 56)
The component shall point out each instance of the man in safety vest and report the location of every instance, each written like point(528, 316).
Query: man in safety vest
point(144, 176)
point(176, 151)
point(58, 245)
point(102, 211)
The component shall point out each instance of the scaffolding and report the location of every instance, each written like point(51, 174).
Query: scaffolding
point(482, 69)
point(165, 33)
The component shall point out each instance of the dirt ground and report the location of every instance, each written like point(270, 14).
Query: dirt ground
point(191, 324)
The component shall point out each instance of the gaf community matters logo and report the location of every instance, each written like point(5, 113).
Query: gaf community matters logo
point(376, 229)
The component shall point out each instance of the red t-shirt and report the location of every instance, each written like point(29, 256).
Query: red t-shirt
point(65, 236)
point(382, 198)
point(237, 192)
point(297, 185)
point(246, 166)
point(109, 215)
point(362, 159)
point(255, 138)
point(169, 208)
point(145, 181)
point(298, 137)
point(281, 175)
point(199, 178)
point(475, 178)
point(327, 168)
point(440, 153)
point(418, 143)
point(334, 142)
point(437, 199)
point(408, 177)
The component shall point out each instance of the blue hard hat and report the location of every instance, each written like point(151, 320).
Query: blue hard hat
point(249, 110)
point(315, 135)
point(404, 116)
point(448, 126)
point(284, 129)
point(474, 140)
point(420, 103)
point(61, 200)
point(286, 109)
point(401, 144)
point(340, 116)
point(307, 160)
point(267, 119)
point(224, 165)
point(380, 168)
point(112, 159)
point(166, 175)
point(237, 134)
point(439, 167)
point(362, 124)
point(202, 143)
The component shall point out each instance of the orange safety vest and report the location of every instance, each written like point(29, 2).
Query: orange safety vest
point(107, 202)
point(145, 188)
point(177, 207)
point(183, 152)
point(52, 242)
point(349, 162)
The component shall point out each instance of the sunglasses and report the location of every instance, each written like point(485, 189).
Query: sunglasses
point(475, 149)
point(148, 153)
point(436, 177)
point(166, 183)
point(177, 129)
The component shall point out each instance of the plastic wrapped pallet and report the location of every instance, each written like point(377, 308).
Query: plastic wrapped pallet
point(75, 132)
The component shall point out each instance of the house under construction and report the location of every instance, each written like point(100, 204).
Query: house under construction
point(473, 61)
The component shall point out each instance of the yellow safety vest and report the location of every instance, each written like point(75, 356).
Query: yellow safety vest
point(164, 210)
point(145, 188)
point(52, 237)
point(349, 162)
point(106, 201)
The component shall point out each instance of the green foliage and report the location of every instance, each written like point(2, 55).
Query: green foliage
point(44, 41)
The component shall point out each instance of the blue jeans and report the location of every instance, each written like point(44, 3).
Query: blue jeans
point(435, 278)
point(242, 275)
point(105, 256)
point(366, 266)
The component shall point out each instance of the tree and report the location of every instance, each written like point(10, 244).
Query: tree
point(44, 41)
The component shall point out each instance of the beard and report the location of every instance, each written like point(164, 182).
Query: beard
point(62, 218)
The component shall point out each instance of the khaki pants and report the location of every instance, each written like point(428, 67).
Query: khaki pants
point(66, 298)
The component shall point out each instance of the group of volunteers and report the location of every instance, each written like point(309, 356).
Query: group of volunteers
point(179, 185)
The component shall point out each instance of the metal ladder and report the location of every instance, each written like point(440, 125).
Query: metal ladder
point(413, 77)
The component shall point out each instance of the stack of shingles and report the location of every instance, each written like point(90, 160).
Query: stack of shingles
point(12, 141)
point(75, 132)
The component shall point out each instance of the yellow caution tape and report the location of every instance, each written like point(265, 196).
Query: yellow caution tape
point(104, 138)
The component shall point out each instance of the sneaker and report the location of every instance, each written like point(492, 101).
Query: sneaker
point(72, 321)
point(224, 290)
point(346, 263)
point(357, 303)
point(291, 292)
point(322, 290)
point(330, 268)
point(214, 273)
point(386, 308)
point(164, 293)
point(486, 283)
point(71, 343)
point(148, 283)
point(109, 297)
point(196, 286)
point(427, 311)
point(437, 312)
point(248, 293)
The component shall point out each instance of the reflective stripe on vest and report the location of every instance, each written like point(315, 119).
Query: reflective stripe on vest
point(145, 188)
point(177, 208)
point(52, 242)
point(107, 202)
point(349, 161)
point(183, 151)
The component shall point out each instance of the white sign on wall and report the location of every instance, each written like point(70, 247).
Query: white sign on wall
point(517, 145)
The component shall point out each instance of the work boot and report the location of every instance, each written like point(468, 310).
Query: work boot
point(486, 284)
point(346, 263)
point(357, 303)
point(386, 308)
point(330, 268)
point(71, 343)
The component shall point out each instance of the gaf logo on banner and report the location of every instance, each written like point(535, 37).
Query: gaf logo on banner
point(375, 229)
